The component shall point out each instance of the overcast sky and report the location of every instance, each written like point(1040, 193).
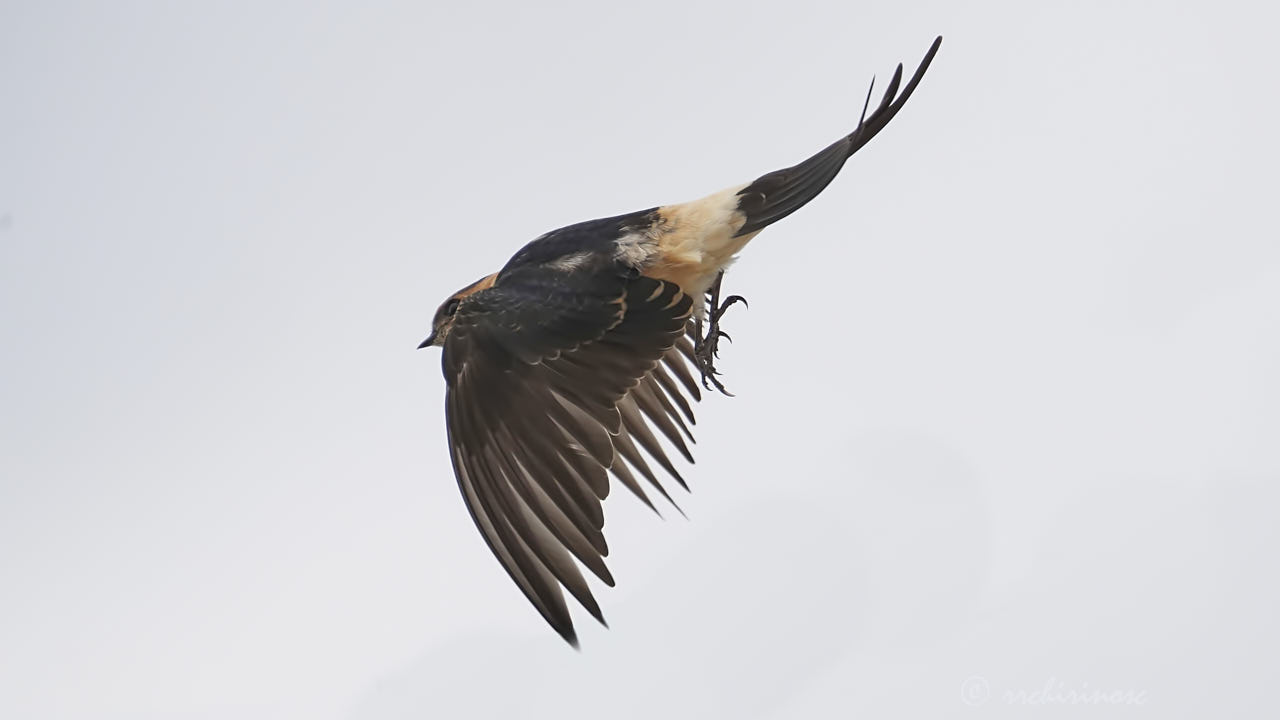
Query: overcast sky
point(1007, 395)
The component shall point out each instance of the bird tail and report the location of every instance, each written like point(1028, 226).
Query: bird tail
point(774, 196)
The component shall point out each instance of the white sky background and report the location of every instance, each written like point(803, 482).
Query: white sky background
point(1008, 401)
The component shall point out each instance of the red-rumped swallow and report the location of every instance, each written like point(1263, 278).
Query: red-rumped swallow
point(562, 365)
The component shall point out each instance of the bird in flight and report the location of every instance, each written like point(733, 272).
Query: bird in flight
point(564, 367)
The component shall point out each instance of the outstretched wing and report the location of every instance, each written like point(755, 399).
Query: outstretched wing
point(554, 380)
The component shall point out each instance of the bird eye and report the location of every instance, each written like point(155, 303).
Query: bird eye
point(452, 307)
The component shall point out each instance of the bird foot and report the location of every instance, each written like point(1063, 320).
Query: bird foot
point(706, 346)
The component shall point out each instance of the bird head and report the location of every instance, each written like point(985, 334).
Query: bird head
point(442, 323)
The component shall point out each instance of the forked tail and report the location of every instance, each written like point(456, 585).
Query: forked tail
point(780, 193)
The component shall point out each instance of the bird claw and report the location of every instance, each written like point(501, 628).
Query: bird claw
point(706, 346)
point(729, 301)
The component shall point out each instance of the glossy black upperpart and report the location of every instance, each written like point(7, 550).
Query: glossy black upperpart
point(593, 236)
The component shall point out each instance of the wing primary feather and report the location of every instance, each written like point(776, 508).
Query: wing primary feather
point(529, 532)
point(639, 429)
point(665, 410)
point(620, 470)
point(629, 451)
point(583, 430)
point(680, 368)
point(560, 480)
point(531, 578)
point(578, 383)
point(551, 515)
point(665, 382)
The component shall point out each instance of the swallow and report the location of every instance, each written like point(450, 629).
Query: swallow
point(577, 360)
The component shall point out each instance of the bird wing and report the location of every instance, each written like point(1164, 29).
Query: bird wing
point(554, 379)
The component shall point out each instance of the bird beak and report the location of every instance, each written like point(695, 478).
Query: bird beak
point(431, 340)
